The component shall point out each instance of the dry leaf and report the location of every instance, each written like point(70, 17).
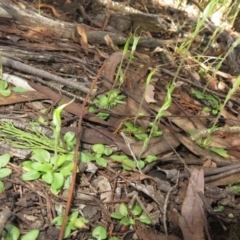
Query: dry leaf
point(192, 221)
point(55, 12)
point(81, 30)
point(109, 42)
point(149, 94)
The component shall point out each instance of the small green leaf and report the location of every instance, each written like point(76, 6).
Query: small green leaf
point(141, 164)
point(98, 148)
point(99, 232)
point(58, 220)
point(123, 209)
point(79, 223)
point(141, 136)
point(125, 221)
point(42, 167)
point(4, 172)
point(101, 162)
point(2, 187)
point(108, 151)
point(131, 221)
point(41, 155)
point(128, 165)
point(18, 90)
point(3, 84)
point(119, 157)
point(67, 232)
point(220, 151)
point(69, 136)
point(86, 157)
point(145, 219)
point(27, 165)
point(32, 235)
point(61, 159)
point(116, 215)
point(136, 210)
point(48, 177)
point(5, 93)
point(150, 159)
point(31, 175)
point(58, 181)
point(4, 160)
point(11, 232)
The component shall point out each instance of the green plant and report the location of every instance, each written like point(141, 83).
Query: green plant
point(153, 127)
point(127, 217)
point(4, 172)
point(220, 209)
point(99, 232)
point(73, 223)
point(108, 100)
point(213, 102)
point(11, 232)
point(99, 150)
point(54, 170)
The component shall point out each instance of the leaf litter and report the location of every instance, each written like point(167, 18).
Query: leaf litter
point(183, 201)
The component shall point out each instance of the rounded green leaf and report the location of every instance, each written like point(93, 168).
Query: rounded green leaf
point(101, 162)
point(85, 157)
point(98, 148)
point(31, 175)
point(4, 172)
point(4, 160)
point(27, 165)
point(136, 210)
point(41, 155)
point(99, 232)
point(123, 209)
point(145, 219)
point(48, 177)
point(5, 93)
point(69, 136)
point(108, 151)
point(11, 232)
point(116, 215)
point(32, 235)
point(42, 167)
point(125, 221)
point(151, 158)
point(58, 181)
point(58, 220)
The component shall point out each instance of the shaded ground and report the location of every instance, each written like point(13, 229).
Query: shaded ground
point(190, 190)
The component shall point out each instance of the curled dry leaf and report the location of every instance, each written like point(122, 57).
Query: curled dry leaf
point(149, 94)
point(55, 12)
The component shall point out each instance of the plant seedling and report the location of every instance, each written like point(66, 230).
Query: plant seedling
point(73, 223)
point(4, 172)
point(11, 232)
point(108, 100)
point(128, 217)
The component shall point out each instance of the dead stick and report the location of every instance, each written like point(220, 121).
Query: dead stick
point(76, 158)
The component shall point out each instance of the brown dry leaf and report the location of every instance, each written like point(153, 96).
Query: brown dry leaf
point(55, 12)
point(23, 97)
point(149, 94)
point(81, 30)
point(103, 186)
point(111, 64)
point(38, 33)
point(109, 42)
point(192, 221)
point(209, 163)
